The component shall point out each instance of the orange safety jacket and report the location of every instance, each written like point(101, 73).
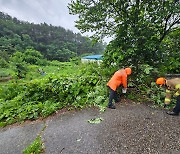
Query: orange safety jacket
point(119, 78)
point(172, 85)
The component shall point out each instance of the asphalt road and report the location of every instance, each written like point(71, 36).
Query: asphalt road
point(129, 129)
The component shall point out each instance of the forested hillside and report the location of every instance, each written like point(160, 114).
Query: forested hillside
point(54, 43)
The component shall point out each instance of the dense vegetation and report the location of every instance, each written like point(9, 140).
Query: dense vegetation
point(144, 31)
point(41, 93)
point(54, 43)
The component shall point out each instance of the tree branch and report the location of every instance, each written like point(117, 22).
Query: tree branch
point(165, 31)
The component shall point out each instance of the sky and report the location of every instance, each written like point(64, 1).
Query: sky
point(54, 12)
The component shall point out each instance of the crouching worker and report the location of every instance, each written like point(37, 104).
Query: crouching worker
point(119, 78)
point(172, 85)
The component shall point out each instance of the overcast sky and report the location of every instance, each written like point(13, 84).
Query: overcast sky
point(54, 12)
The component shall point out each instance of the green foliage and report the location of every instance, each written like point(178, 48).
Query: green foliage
point(18, 65)
point(142, 86)
point(3, 63)
point(95, 120)
point(156, 94)
point(32, 56)
point(20, 61)
point(145, 74)
point(141, 30)
point(75, 60)
point(35, 147)
point(63, 55)
point(10, 43)
point(54, 43)
point(21, 99)
point(4, 55)
point(3, 74)
point(171, 46)
point(6, 72)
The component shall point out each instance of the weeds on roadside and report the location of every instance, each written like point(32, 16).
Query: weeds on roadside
point(35, 148)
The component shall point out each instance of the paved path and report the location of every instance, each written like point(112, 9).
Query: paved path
point(129, 129)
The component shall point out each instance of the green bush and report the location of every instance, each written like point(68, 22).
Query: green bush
point(32, 56)
point(4, 73)
point(3, 63)
point(144, 88)
point(23, 100)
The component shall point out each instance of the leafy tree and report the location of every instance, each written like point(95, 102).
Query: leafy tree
point(171, 46)
point(27, 41)
point(3, 63)
point(18, 64)
point(5, 45)
point(4, 58)
point(4, 55)
point(139, 27)
point(32, 56)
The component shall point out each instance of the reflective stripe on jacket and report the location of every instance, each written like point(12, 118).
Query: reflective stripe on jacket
point(172, 85)
point(119, 77)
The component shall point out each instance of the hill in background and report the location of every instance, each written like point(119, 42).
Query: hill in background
point(54, 43)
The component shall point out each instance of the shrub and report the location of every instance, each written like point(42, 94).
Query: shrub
point(3, 63)
point(23, 100)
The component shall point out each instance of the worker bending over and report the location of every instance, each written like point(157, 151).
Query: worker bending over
point(172, 85)
point(119, 78)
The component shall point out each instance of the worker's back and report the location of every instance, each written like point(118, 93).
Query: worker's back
point(119, 77)
point(173, 83)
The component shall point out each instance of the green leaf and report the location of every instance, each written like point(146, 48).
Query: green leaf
point(95, 120)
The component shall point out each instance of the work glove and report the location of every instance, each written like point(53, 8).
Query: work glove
point(124, 90)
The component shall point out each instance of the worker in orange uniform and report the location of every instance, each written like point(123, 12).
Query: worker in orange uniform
point(172, 85)
point(119, 78)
